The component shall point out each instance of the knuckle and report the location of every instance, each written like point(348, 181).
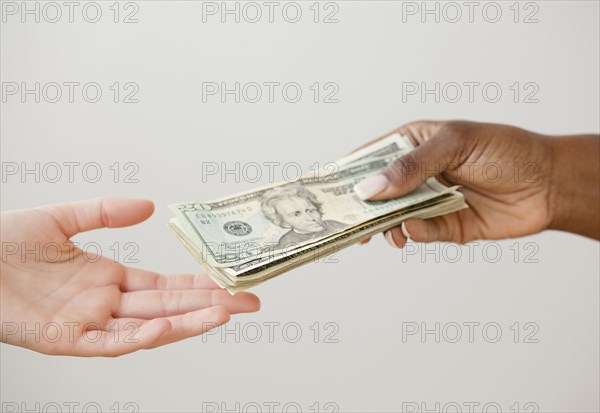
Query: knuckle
point(457, 139)
point(455, 131)
point(401, 168)
point(171, 301)
point(420, 131)
point(161, 282)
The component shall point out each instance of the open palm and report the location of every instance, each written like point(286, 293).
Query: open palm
point(64, 301)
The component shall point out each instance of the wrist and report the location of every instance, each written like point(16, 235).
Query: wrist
point(574, 187)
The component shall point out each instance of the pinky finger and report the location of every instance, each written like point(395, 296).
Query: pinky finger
point(148, 334)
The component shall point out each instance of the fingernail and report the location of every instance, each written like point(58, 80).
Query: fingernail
point(390, 239)
point(370, 186)
point(404, 230)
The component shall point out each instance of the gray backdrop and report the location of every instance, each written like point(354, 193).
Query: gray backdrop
point(333, 335)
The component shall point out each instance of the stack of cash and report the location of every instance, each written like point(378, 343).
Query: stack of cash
point(245, 239)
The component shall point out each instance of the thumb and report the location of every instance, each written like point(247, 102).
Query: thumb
point(104, 212)
point(406, 173)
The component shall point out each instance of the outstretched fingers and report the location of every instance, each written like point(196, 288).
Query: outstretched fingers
point(150, 304)
point(137, 279)
point(127, 335)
